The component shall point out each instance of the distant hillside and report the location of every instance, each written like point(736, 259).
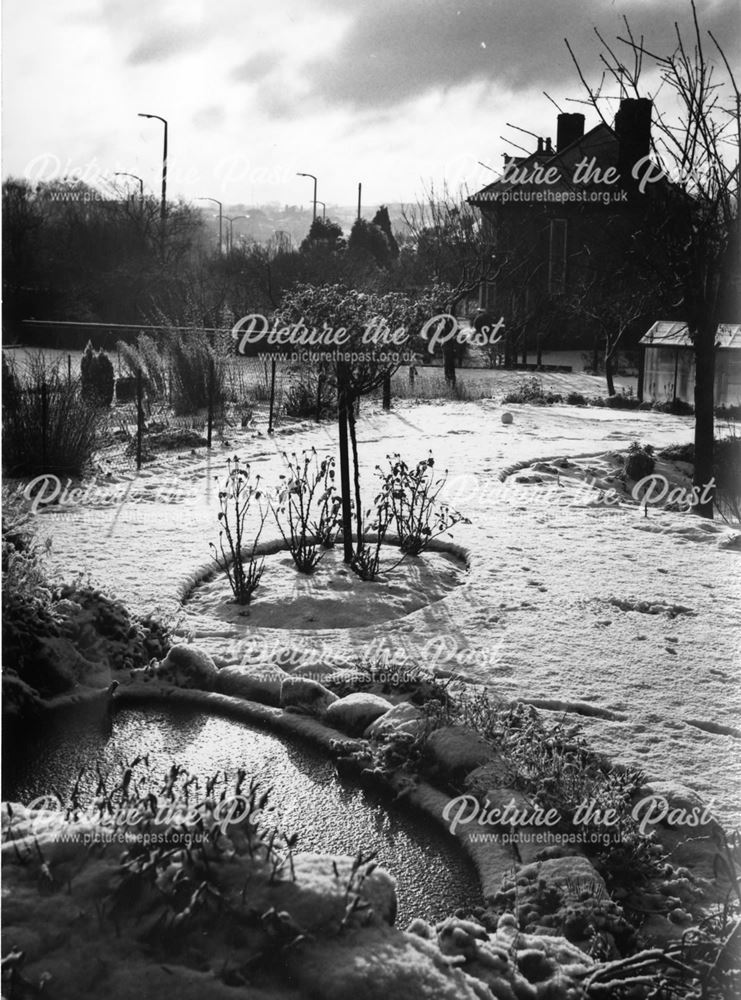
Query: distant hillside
point(264, 221)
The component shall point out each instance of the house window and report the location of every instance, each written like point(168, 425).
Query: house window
point(557, 257)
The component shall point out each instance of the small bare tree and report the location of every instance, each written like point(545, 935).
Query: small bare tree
point(690, 194)
point(613, 303)
point(455, 252)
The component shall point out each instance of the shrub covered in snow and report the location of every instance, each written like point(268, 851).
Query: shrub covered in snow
point(640, 461)
point(55, 637)
point(622, 401)
point(530, 390)
point(679, 407)
point(576, 399)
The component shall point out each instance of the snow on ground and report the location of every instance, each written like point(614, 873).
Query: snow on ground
point(629, 622)
point(333, 592)
point(487, 382)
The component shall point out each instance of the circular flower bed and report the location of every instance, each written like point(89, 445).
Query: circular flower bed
point(333, 596)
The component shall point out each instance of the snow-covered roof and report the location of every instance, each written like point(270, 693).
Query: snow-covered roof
point(668, 333)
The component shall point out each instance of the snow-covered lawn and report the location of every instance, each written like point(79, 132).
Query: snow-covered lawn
point(629, 622)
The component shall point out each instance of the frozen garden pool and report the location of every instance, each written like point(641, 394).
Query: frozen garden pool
point(330, 817)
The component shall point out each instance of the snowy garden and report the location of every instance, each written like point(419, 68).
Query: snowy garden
point(358, 639)
point(552, 604)
point(559, 597)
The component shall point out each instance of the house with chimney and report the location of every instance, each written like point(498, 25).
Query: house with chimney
point(560, 221)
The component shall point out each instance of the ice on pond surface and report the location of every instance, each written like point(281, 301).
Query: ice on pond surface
point(307, 797)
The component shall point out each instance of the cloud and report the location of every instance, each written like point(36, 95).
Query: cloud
point(391, 52)
point(210, 117)
point(165, 43)
point(256, 68)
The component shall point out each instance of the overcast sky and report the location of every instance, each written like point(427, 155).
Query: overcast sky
point(397, 94)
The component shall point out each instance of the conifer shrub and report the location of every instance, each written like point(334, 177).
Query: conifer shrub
point(640, 461)
point(96, 374)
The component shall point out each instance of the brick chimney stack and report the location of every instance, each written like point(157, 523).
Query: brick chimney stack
point(570, 127)
point(633, 132)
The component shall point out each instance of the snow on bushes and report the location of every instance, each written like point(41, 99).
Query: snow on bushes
point(640, 461)
point(56, 637)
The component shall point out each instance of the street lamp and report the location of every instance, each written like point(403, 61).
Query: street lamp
point(314, 179)
point(221, 212)
point(122, 173)
point(324, 209)
point(231, 220)
point(163, 203)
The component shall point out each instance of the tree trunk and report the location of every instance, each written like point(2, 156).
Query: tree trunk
point(342, 418)
point(608, 373)
point(356, 474)
point(449, 362)
point(386, 392)
point(704, 418)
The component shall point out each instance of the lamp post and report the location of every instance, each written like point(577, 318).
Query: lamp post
point(324, 209)
point(314, 179)
point(221, 215)
point(230, 239)
point(163, 203)
point(122, 173)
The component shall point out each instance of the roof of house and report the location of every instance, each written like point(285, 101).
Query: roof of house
point(668, 333)
point(599, 144)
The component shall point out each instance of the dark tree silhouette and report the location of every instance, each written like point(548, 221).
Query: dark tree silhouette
point(691, 231)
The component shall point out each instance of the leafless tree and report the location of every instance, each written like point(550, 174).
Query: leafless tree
point(613, 303)
point(454, 250)
point(690, 190)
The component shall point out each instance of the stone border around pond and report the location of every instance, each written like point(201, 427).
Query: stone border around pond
point(491, 866)
point(494, 862)
point(523, 875)
point(459, 757)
